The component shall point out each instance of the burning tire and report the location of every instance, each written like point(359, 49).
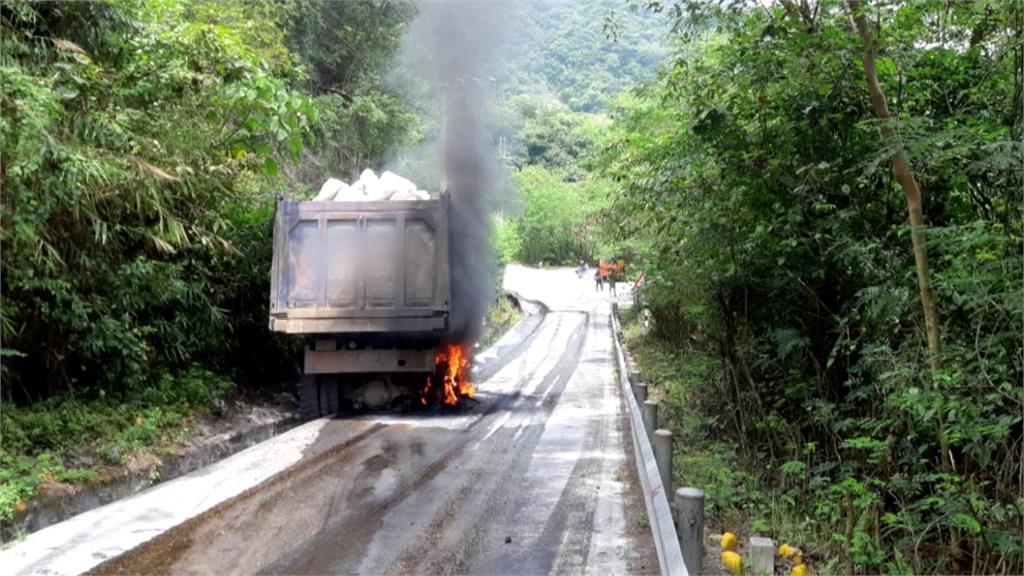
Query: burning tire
point(450, 381)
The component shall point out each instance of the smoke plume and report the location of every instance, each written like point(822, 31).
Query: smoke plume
point(455, 46)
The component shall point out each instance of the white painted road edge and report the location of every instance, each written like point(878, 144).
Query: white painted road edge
point(82, 542)
point(670, 557)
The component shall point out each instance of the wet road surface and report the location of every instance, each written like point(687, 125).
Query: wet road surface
point(535, 476)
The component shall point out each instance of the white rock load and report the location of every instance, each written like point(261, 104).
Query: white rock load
point(369, 187)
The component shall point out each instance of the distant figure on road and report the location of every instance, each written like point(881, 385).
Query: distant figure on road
point(611, 284)
point(598, 281)
point(581, 270)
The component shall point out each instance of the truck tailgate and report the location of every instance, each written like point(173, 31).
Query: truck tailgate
point(344, 267)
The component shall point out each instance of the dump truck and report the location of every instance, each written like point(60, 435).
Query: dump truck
point(366, 284)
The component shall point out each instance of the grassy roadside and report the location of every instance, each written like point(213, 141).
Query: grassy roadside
point(741, 496)
point(501, 316)
point(75, 439)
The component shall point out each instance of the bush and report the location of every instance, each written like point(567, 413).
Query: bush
point(37, 441)
point(505, 240)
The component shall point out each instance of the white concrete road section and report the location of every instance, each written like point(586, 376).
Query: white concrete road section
point(534, 476)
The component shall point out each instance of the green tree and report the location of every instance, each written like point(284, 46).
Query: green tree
point(346, 48)
point(560, 222)
point(763, 204)
point(581, 53)
point(142, 146)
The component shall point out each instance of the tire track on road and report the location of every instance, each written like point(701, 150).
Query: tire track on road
point(322, 554)
point(469, 516)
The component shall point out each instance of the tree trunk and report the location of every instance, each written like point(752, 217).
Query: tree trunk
point(901, 171)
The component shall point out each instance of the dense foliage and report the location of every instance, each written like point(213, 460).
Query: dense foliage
point(754, 182)
point(348, 49)
point(113, 216)
point(560, 223)
point(142, 144)
point(581, 53)
point(557, 214)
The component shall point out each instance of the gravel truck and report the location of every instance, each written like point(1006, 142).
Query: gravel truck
point(367, 285)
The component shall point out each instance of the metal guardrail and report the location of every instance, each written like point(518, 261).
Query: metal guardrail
point(670, 557)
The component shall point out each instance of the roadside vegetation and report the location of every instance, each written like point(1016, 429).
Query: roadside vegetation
point(69, 439)
point(842, 376)
point(143, 144)
point(819, 389)
point(502, 315)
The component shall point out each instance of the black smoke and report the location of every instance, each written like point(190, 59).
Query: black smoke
point(456, 45)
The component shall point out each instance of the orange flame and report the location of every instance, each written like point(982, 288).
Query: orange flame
point(451, 369)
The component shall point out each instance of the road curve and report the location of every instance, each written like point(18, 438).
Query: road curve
point(535, 476)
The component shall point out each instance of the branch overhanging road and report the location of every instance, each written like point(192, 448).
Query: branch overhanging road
point(537, 476)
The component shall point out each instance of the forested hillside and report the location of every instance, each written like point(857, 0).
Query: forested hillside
point(565, 63)
point(582, 53)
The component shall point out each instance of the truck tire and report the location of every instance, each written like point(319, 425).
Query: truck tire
point(309, 398)
point(328, 386)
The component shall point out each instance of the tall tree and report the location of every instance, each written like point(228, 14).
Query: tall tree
point(905, 176)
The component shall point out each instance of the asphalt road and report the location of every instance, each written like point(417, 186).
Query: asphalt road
point(535, 476)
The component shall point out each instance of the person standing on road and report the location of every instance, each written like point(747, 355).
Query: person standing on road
point(598, 281)
point(611, 284)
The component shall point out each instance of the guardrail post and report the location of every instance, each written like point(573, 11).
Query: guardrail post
point(650, 415)
point(762, 555)
point(640, 391)
point(633, 372)
point(690, 528)
point(663, 456)
point(636, 378)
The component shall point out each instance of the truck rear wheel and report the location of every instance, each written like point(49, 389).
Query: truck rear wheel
point(309, 398)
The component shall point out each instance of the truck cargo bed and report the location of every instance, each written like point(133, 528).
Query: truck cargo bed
point(360, 267)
